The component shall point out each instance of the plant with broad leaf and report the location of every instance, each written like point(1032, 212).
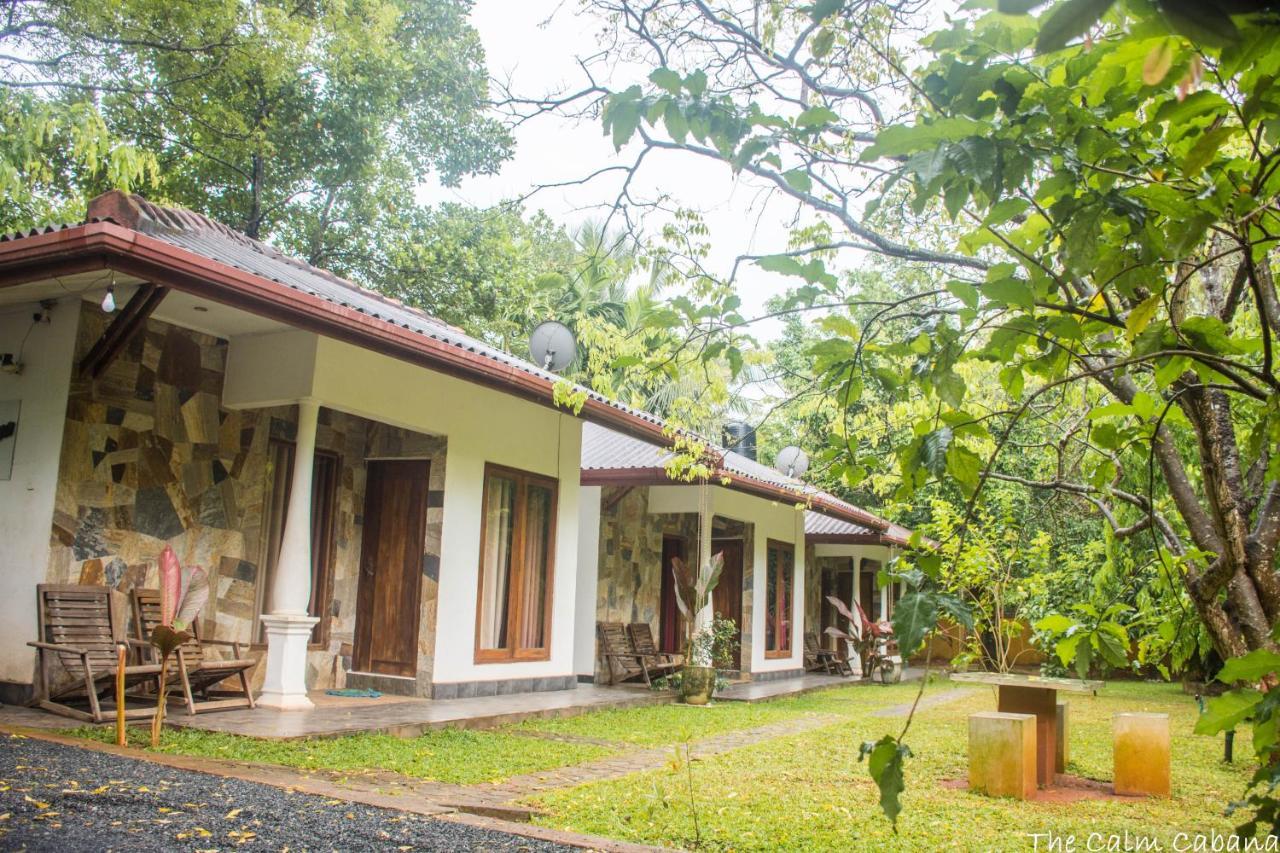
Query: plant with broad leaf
point(915, 618)
point(183, 591)
point(1094, 638)
point(693, 594)
point(1253, 700)
point(862, 635)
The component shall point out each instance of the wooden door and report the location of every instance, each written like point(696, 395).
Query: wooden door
point(726, 598)
point(837, 582)
point(391, 552)
point(670, 622)
point(867, 589)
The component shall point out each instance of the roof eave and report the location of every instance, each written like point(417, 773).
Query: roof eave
point(658, 477)
point(105, 245)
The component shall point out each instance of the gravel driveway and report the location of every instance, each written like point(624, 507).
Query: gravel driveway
point(64, 798)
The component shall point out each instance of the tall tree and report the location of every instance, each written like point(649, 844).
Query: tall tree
point(1114, 169)
point(299, 122)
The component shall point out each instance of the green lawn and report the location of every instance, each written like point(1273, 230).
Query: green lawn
point(809, 791)
point(656, 725)
point(457, 756)
point(805, 791)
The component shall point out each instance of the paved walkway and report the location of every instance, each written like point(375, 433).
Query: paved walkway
point(926, 702)
point(398, 715)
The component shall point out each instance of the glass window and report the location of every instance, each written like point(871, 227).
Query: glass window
point(778, 585)
point(516, 560)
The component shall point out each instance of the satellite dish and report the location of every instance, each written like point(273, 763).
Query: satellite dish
point(792, 461)
point(552, 346)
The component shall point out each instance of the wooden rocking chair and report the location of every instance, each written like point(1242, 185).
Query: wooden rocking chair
point(197, 673)
point(624, 662)
point(818, 659)
point(642, 641)
point(79, 628)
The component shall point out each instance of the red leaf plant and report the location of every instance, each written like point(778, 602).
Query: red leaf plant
point(183, 591)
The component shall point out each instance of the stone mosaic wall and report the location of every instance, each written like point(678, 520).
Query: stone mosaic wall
point(629, 588)
point(151, 458)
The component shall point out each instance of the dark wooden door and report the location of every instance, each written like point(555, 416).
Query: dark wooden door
point(726, 598)
point(837, 582)
point(867, 589)
point(670, 622)
point(391, 552)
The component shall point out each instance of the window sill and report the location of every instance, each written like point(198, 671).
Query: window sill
point(542, 657)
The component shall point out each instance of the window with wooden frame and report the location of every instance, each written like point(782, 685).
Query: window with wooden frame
point(517, 547)
point(780, 562)
point(324, 494)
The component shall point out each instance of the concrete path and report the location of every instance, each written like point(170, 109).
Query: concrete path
point(927, 701)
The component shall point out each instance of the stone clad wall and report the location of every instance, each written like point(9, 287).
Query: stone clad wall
point(151, 458)
point(630, 565)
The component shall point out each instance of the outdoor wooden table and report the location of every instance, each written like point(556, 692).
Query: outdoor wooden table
point(1032, 694)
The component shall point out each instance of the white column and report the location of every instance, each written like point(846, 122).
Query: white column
point(289, 624)
point(857, 580)
point(706, 512)
point(884, 597)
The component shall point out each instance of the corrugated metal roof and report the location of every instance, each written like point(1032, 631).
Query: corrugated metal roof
point(215, 241)
point(39, 229)
point(604, 449)
point(817, 524)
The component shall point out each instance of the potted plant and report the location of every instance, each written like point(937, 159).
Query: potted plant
point(693, 595)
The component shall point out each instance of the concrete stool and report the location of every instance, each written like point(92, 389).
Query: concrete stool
point(1002, 754)
point(1064, 729)
point(1141, 748)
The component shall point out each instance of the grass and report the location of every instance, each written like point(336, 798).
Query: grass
point(457, 756)
point(806, 791)
point(810, 792)
point(659, 725)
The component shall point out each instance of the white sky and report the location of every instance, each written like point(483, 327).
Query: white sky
point(535, 42)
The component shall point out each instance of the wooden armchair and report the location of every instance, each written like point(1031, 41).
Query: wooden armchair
point(624, 662)
point(641, 636)
point(816, 658)
point(79, 629)
point(197, 673)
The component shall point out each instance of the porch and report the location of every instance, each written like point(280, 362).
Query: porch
point(406, 716)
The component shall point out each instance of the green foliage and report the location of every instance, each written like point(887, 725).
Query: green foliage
point(693, 590)
point(1260, 708)
point(884, 762)
point(1095, 639)
point(309, 124)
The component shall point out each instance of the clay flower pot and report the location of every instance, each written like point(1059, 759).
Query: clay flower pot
point(697, 684)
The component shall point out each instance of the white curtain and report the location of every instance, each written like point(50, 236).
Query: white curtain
point(537, 536)
point(499, 512)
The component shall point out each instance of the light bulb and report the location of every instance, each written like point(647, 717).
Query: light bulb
point(109, 301)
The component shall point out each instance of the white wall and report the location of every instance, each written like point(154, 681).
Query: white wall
point(27, 499)
point(482, 425)
point(784, 523)
point(584, 631)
